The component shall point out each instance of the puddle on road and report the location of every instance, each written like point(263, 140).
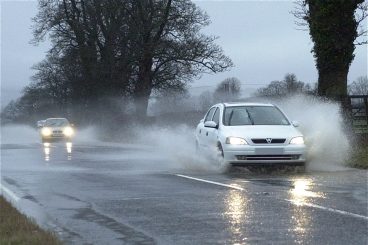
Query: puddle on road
point(302, 193)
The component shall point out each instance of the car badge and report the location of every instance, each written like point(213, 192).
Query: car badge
point(269, 140)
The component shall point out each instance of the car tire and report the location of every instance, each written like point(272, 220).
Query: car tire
point(220, 160)
point(300, 168)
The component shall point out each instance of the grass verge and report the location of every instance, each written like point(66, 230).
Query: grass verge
point(16, 228)
point(360, 157)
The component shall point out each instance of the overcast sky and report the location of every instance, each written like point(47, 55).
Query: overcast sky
point(259, 36)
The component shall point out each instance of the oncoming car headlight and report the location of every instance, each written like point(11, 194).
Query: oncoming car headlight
point(68, 131)
point(236, 141)
point(297, 141)
point(46, 132)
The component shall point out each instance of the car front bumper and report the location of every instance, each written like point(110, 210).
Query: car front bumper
point(265, 154)
point(56, 138)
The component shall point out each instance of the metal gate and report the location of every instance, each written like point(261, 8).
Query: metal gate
point(359, 113)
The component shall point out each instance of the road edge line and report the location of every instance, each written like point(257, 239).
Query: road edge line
point(9, 193)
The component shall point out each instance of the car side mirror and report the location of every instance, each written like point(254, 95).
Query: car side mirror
point(210, 124)
point(295, 123)
point(40, 124)
point(201, 121)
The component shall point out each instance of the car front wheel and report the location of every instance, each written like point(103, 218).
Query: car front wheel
point(220, 156)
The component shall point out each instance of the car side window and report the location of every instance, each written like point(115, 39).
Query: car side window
point(216, 116)
point(210, 114)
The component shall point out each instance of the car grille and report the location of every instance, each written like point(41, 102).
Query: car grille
point(268, 157)
point(264, 141)
point(57, 132)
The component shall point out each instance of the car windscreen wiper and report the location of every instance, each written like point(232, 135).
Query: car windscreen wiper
point(230, 117)
point(250, 118)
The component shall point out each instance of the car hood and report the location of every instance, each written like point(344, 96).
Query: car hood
point(56, 128)
point(262, 131)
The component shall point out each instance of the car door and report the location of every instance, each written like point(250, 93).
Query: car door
point(212, 133)
point(203, 131)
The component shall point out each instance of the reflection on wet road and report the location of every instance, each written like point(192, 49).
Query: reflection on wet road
point(46, 147)
point(59, 148)
point(237, 212)
point(301, 218)
point(114, 194)
point(301, 193)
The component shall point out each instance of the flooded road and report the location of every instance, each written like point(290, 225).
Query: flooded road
point(129, 194)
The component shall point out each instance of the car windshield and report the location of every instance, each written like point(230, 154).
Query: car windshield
point(55, 122)
point(253, 115)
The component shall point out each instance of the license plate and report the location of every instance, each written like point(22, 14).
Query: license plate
point(269, 151)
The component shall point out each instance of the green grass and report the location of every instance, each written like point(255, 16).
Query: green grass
point(360, 157)
point(16, 228)
point(360, 126)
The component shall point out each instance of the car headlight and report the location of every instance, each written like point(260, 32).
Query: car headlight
point(236, 141)
point(297, 141)
point(68, 131)
point(46, 132)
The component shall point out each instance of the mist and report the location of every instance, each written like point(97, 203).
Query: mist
point(172, 138)
point(321, 123)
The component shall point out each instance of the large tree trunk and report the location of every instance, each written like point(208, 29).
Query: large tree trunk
point(143, 87)
point(333, 29)
point(141, 105)
point(333, 83)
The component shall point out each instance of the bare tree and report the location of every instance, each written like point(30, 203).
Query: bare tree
point(171, 47)
point(171, 100)
point(205, 100)
point(275, 89)
point(359, 86)
point(91, 35)
point(290, 85)
point(227, 90)
point(130, 48)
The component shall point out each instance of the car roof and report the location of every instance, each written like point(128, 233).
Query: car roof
point(227, 104)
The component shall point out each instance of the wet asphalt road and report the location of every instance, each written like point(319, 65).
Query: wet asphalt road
point(129, 194)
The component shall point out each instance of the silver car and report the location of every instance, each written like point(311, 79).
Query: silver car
point(56, 129)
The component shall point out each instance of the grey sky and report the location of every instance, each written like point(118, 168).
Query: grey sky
point(17, 54)
point(262, 39)
point(259, 36)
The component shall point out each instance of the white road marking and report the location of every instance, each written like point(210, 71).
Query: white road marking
point(9, 193)
point(328, 209)
point(211, 182)
point(292, 202)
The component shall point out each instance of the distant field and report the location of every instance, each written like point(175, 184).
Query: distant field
point(16, 228)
